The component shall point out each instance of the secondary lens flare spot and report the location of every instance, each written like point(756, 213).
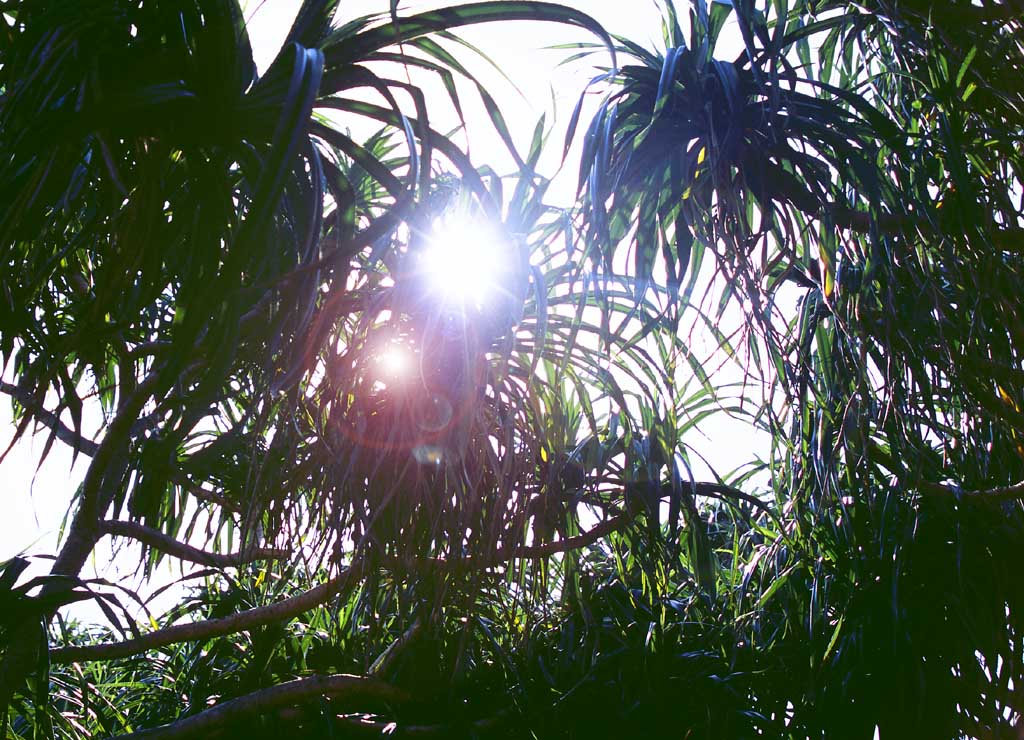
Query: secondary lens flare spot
point(395, 363)
point(434, 413)
point(466, 262)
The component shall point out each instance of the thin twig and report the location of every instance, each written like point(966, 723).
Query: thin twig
point(49, 419)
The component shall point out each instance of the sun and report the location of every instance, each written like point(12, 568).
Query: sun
point(465, 262)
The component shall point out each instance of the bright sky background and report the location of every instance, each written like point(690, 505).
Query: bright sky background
point(36, 501)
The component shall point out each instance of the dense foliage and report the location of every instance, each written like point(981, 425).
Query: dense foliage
point(820, 239)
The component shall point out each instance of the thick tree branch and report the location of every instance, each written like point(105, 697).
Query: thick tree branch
point(83, 533)
point(353, 691)
point(246, 620)
point(999, 493)
point(786, 187)
point(96, 493)
point(170, 546)
point(952, 13)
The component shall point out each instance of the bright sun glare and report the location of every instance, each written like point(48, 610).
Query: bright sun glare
point(464, 261)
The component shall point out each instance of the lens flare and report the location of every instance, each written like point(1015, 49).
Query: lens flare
point(395, 363)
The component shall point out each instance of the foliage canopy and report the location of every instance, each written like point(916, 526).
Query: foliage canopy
point(519, 535)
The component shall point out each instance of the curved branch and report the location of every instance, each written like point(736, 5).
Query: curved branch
point(170, 546)
point(353, 690)
point(257, 617)
point(197, 491)
point(722, 491)
point(620, 521)
point(584, 539)
point(575, 542)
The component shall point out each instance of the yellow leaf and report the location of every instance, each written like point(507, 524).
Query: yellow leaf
point(1007, 398)
point(701, 155)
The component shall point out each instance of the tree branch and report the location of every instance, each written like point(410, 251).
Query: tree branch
point(196, 490)
point(257, 617)
point(584, 539)
point(999, 493)
point(89, 447)
point(354, 690)
point(62, 431)
point(314, 597)
point(716, 490)
point(170, 546)
point(396, 648)
point(83, 533)
point(722, 491)
point(954, 13)
point(786, 187)
point(46, 417)
point(307, 600)
point(575, 542)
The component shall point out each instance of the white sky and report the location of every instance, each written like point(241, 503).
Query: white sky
point(36, 501)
